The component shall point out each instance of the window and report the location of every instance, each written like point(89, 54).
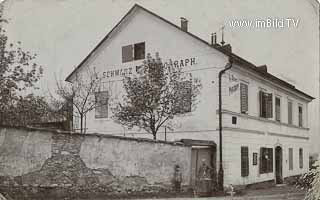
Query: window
point(266, 160)
point(300, 116)
point(290, 159)
point(244, 161)
point(101, 110)
point(76, 122)
point(244, 98)
point(301, 158)
point(183, 94)
point(278, 109)
point(234, 120)
point(139, 51)
point(265, 100)
point(254, 158)
point(133, 52)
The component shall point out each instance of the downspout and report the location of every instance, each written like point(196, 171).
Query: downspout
point(220, 173)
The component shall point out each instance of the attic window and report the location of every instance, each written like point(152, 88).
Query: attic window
point(139, 51)
point(133, 52)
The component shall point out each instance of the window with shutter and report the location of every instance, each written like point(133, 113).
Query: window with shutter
point(244, 98)
point(244, 161)
point(266, 160)
point(290, 159)
point(269, 107)
point(278, 109)
point(300, 116)
point(301, 158)
point(265, 104)
point(289, 112)
point(183, 94)
point(127, 53)
point(262, 104)
point(101, 110)
point(133, 52)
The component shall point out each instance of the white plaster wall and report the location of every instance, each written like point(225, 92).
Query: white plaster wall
point(123, 158)
point(208, 63)
point(232, 156)
point(22, 152)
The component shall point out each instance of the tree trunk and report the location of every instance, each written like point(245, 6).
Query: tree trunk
point(81, 123)
point(154, 135)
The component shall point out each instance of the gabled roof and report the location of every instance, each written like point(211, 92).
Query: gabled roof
point(236, 59)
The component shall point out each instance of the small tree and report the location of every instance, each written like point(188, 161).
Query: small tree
point(80, 94)
point(314, 190)
point(18, 72)
point(153, 97)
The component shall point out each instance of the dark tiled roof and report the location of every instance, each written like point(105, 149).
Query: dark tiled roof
point(223, 49)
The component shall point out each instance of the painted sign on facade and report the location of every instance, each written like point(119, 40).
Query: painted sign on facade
point(127, 71)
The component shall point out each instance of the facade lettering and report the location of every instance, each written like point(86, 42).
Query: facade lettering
point(172, 65)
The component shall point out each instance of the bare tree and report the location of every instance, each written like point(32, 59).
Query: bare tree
point(155, 96)
point(80, 94)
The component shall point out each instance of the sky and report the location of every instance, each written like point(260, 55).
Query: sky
point(63, 32)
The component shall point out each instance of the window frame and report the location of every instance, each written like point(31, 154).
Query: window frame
point(135, 55)
point(244, 154)
point(101, 114)
point(178, 105)
point(266, 164)
point(301, 158)
point(133, 52)
point(300, 115)
point(290, 158)
point(266, 110)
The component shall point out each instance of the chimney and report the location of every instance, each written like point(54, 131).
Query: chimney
point(263, 68)
point(184, 24)
point(213, 38)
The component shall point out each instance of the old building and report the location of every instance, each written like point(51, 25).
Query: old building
point(264, 119)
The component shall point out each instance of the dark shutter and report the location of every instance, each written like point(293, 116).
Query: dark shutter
point(300, 116)
point(269, 107)
point(278, 109)
point(261, 170)
point(261, 103)
point(183, 96)
point(244, 97)
point(101, 110)
point(244, 161)
point(127, 53)
point(289, 112)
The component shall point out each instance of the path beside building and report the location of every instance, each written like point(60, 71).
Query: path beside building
point(274, 193)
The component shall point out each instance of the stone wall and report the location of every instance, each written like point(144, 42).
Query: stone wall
point(35, 162)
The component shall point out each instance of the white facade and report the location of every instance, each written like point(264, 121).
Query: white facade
point(250, 130)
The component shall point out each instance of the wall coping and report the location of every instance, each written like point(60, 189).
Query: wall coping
point(98, 135)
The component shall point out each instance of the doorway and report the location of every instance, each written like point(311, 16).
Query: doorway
point(199, 156)
point(278, 165)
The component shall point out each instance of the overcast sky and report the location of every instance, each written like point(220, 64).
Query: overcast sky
point(63, 32)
